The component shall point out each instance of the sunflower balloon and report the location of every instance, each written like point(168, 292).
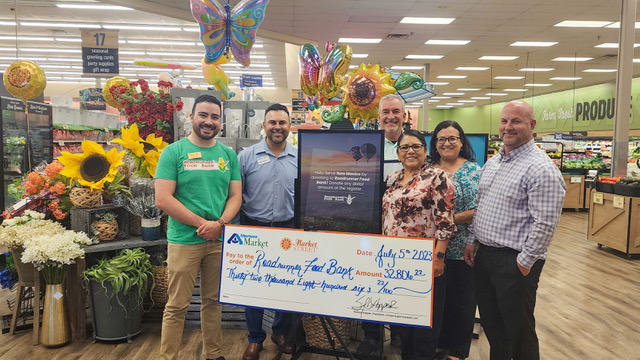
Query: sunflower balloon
point(111, 90)
point(367, 84)
point(25, 80)
point(93, 167)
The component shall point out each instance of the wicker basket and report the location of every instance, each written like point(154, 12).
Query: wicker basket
point(315, 332)
point(84, 197)
point(135, 225)
point(106, 230)
point(159, 293)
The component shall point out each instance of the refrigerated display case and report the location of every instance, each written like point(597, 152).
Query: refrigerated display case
point(27, 140)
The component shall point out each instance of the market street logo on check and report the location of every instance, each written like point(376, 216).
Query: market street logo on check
point(247, 240)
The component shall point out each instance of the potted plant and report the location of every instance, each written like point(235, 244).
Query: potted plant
point(105, 226)
point(117, 288)
point(144, 206)
point(116, 191)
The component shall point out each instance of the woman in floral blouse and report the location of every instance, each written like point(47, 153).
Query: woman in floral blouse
point(451, 151)
point(420, 203)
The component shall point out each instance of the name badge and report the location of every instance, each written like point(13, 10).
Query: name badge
point(263, 160)
point(497, 166)
point(195, 155)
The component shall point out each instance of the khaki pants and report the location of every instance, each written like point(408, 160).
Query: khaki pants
point(183, 263)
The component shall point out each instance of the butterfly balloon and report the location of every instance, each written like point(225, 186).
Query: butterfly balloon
point(224, 30)
point(323, 77)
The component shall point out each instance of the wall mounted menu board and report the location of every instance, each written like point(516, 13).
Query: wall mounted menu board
point(340, 180)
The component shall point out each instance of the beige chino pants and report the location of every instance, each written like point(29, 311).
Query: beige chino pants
point(183, 264)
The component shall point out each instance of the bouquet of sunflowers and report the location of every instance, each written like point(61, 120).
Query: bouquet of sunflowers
point(143, 153)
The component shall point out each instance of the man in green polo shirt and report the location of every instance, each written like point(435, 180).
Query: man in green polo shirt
point(198, 185)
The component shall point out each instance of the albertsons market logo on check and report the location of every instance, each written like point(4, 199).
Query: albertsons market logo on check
point(247, 240)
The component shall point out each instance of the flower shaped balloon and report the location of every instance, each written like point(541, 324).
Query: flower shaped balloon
point(367, 84)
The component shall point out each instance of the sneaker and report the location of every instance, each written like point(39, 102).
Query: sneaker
point(367, 346)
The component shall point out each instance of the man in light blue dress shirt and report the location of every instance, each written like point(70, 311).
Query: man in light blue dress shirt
point(269, 169)
point(518, 207)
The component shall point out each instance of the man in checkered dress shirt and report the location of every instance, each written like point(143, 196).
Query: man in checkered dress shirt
point(518, 207)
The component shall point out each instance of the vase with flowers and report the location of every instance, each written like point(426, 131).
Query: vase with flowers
point(90, 170)
point(151, 110)
point(52, 254)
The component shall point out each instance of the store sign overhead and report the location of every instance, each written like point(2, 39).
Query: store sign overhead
point(100, 53)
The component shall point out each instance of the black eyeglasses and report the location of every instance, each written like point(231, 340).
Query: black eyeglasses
point(451, 139)
point(414, 147)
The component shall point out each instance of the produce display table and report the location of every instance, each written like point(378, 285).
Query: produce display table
point(76, 292)
point(614, 221)
point(574, 198)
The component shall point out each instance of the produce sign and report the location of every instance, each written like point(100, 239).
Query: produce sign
point(358, 276)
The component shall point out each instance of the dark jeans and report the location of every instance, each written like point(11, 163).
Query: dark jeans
point(253, 316)
point(419, 343)
point(506, 300)
point(459, 309)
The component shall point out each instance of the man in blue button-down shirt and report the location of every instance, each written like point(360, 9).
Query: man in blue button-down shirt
point(518, 207)
point(269, 169)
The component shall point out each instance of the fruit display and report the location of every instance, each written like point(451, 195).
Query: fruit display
point(581, 161)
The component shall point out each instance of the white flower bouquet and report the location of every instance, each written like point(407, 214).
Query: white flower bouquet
point(52, 253)
point(14, 232)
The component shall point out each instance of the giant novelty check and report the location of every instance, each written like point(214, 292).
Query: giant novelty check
point(358, 276)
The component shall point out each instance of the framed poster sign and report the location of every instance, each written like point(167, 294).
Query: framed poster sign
point(340, 180)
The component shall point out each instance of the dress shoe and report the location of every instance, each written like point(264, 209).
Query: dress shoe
point(281, 341)
point(252, 352)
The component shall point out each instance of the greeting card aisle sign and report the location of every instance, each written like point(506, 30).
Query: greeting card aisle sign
point(357, 276)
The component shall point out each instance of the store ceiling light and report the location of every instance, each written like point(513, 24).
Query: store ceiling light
point(13, 58)
point(537, 69)
point(515, 90)
point(599, 70)
point(173, 54)
point(258, 56)
point(468, 89)
point(534, 43)
point(93, 7)
point(508, 77)
point(7, 23)
point(128, 52)
point(60, 25)
point(444, 106)
point(191, 29)
point(162, 42)
point(453, 93)
point(481, 97)
point(467, 101)
point(538, 85)
point(26, 38)
point(141, 27)
point(47, 66)
point(441, 97)
point(423, 57)
point(583, 23)
point(472, 68)
point(71, 82)
point(571, 58)
point(496, 94)
point(259, 66)
point(439, 83)
point(358, 40)
point(258, 46)
point(51, 50)
point(565, 78)
point(616, 25)
point(612, 45)
point(67, 59)
point(12, 49)
point(68, 39)
point(447, 42)
point(426, 20)
point(455, 104)
point(358, 56)
point(498, 57)
point(451, 76)
point(433, 101)
point(406, 67)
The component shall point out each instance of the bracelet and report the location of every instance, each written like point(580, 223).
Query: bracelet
point(221, 221)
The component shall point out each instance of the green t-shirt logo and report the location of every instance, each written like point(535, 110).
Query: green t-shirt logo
point(222, 165)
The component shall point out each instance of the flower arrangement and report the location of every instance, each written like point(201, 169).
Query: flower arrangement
point(52, 253)
point(51, 186)
point(16, 231)
point(152, 111)
point(93, 167)
point(145, 153)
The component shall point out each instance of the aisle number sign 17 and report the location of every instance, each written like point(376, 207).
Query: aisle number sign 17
point(100, 39)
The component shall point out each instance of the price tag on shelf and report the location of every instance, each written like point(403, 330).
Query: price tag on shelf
point(576, 179)
point(618, 202)
point(598, 198)
point(61, 142)
point(65, 126)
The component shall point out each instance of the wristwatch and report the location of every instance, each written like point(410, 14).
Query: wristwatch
point(221, 221)
point(440, 255)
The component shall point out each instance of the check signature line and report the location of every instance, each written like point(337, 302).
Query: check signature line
point(411, 290)
point(270, 299)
